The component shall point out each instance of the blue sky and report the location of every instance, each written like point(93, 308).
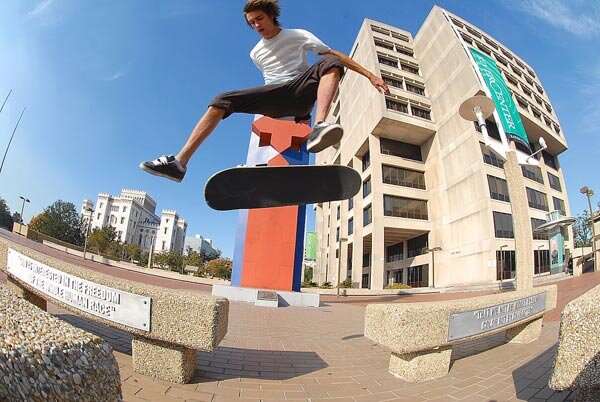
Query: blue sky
point(110, 83)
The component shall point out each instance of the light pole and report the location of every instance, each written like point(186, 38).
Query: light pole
point(87, 230)
point(433, 250)
point(477, 109)
point(339, 263)
point(589, 193)
point(23, 207)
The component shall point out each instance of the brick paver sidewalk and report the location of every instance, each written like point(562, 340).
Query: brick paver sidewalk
point(307, 354)
point(317, 354)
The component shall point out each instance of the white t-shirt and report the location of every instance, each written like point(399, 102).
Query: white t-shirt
point(283, 57)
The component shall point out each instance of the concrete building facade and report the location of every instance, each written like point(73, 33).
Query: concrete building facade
point(133, 215)
point(199, 244)
point(434, 208)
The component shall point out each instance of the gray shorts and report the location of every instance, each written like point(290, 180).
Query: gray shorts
point(293, 98)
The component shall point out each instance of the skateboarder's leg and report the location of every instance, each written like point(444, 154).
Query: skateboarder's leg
point(207, 123)
point(327, 86)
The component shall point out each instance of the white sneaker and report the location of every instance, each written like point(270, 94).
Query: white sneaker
point(324, 135)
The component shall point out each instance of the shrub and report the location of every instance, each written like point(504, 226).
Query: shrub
point(398, 286)
point(326, 285)
point(346, 284)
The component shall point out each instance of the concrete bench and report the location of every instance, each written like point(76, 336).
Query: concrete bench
point(167, 325)
point(577, 361)
point(66, 363)
point(420, 335)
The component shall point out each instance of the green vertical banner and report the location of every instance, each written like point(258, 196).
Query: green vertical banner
point(310, 248)
point(505, 106)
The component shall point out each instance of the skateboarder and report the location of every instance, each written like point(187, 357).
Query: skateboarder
point(291, 87)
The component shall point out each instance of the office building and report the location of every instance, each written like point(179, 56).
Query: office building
point(434, 207)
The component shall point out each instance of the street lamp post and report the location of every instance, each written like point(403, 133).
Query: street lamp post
point(87, 230)
point(339, 263)
point(589, 193)
point(23, 207)
point(477, 109)
point(433, 250)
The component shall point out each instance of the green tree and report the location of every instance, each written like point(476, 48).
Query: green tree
point(63, 222)
point(100, 239)
point(219, 268)
point(582, 232)
point(170, 260)
point(6, 221)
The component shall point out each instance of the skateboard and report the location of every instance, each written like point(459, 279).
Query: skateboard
point(251, 187)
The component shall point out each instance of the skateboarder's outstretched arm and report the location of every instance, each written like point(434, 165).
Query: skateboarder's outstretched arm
point(377, 82)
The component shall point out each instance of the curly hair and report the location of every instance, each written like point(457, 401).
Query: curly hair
point(270, 7)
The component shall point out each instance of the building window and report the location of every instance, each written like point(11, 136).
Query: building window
point(98, 217)
point(365, 281)
point(541, 261)
point(400, 149)
point(535, 223)
point(387, 62)
point(122, 220)
point(337, 234)
point(350, 204)
point(163, 245)
point(473, 32)
point(418, 245)
point(384, 31)
point(537, 199)
point(503, 225)
point(395, 253)
point(498, 188)
point(366, 187)
point(521, 102)
point(559, 205)
point(165, 230)
point(367, 215)
point(404, 51)
point(385, 45)
point(549, 160)
point(400, 36)
point(533, 172)
point(506, 267)
point(466, 38)
point(554, 182)
point(366, 260)
point(410, 69)
point(401, 207)
point(416, 89)
point(397, 106)
point(492, 129)
point(490, 157)
point(350, 226)
point(422, 113)
point(338, 211)
point(417, 276)
point(539, 88)
point(124, 209)
point(366, 161)
point(396, 83)
point(403, 177)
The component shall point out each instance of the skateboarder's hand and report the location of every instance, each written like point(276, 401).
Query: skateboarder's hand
point(379, 84)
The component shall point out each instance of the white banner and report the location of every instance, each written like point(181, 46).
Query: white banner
point(112, 304)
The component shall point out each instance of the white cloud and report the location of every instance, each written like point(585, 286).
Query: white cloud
point(113, 77)
point(579, 17)
point(40, 8)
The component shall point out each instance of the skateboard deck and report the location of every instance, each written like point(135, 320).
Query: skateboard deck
point(251, 187)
